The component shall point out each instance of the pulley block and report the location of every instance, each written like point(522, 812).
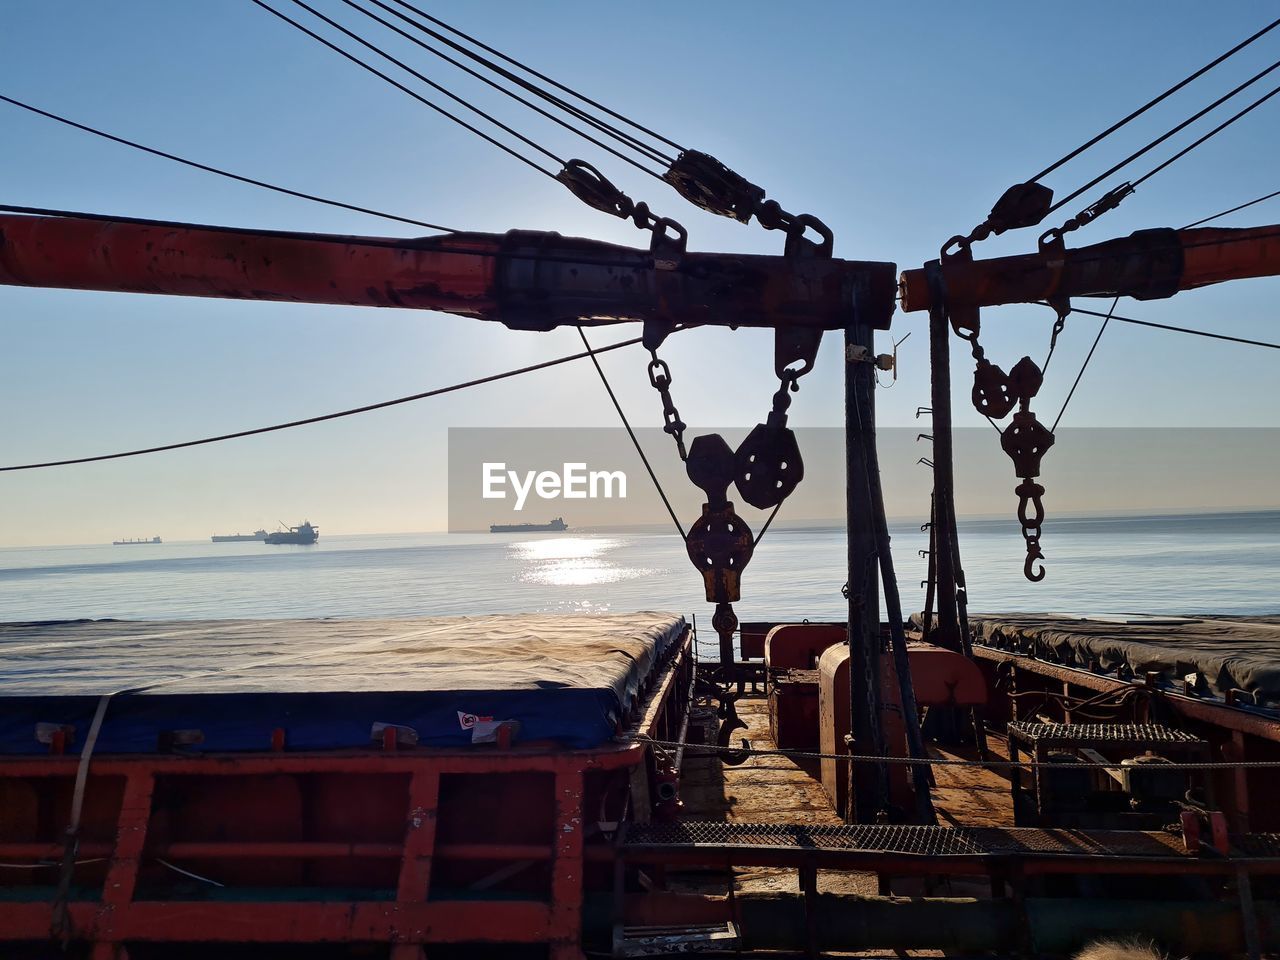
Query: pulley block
point(720, 545)
point(769, 466)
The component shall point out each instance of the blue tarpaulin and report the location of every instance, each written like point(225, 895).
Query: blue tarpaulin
point(566, 678)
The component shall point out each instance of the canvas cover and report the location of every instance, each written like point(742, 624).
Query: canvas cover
point(567, 678)
point(1240, 653)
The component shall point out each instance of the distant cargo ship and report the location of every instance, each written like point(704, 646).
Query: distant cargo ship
point(239, 537)
point(303, 534)
point(125, 543)
point(555, 526)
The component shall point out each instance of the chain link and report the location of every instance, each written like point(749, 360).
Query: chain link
point(660, 378)
point(996, 394)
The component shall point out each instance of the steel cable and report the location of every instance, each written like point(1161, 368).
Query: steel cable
point(636, 145)
point(417, 96)
point(533, 88)
point(1153, 102)
point(327, 416)
point(1190, 330)
point(220, 172)
point(1216, 130)
point(712, 749)
point(369, 45)
point(1084, 366)
point(1169, 133)
point(1234, 209)
point(635, 441)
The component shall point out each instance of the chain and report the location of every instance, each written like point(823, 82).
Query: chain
point(1022, 205)
point(660, 378)
point(995, 395)
point(788, 384)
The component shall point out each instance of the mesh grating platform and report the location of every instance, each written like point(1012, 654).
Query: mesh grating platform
point(908, 840)
point(1260, 845)
point(1083, 734)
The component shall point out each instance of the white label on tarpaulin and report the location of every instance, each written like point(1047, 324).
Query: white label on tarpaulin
point(483, 729)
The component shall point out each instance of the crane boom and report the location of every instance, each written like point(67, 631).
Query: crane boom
point(1147, 265)
point(524, 279)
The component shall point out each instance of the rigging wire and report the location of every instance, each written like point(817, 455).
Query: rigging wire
point(767, 523)
point(1084, 366)
point(636, 145)
point(1189, 330)
point(417, 96)
point(328, 416)
point(1169, 133)
point(1153, 102)
point(1216, 130)
point(427, 80)
point(220, 172)
point(635, 441)
point(1234, 209)
point(532, 72)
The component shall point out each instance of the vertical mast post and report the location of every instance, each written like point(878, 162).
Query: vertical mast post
point(868, 784)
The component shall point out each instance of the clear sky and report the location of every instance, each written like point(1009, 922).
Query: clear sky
point(898, 124)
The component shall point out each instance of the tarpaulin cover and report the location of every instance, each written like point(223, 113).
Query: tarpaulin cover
point(1241, 653)
point(567, 678)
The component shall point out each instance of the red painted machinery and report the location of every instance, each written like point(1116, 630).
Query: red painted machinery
point(397, 844)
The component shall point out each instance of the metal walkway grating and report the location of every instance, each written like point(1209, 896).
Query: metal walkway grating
point(1261, 845)
point(908, 840)
point(1084, 734)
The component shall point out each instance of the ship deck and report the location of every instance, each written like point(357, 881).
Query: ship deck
point(780, 790)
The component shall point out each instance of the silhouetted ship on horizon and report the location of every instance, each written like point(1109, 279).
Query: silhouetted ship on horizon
point(555, 526)
point(304, 534)
point(129, 543)
point(239, 537)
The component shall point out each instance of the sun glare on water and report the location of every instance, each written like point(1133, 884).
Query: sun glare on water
point(571, 561)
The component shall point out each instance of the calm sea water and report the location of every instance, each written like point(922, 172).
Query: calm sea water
point(1223, 563)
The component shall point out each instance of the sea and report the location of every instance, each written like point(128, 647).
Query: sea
point(1224, 563)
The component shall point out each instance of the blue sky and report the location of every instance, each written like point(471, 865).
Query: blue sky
point(898, 124)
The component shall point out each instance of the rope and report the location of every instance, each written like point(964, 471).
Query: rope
point(323, 417)
point(400, 86)
point(222, 173)
point(1084, 366)
point(61, 920)
point(632, 434)
point(501, 89)
point(713, 749)
point(1217, 216)
point(1153, 102)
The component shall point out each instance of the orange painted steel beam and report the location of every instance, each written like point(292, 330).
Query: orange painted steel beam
point(524, 279)
point(1146, 265)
